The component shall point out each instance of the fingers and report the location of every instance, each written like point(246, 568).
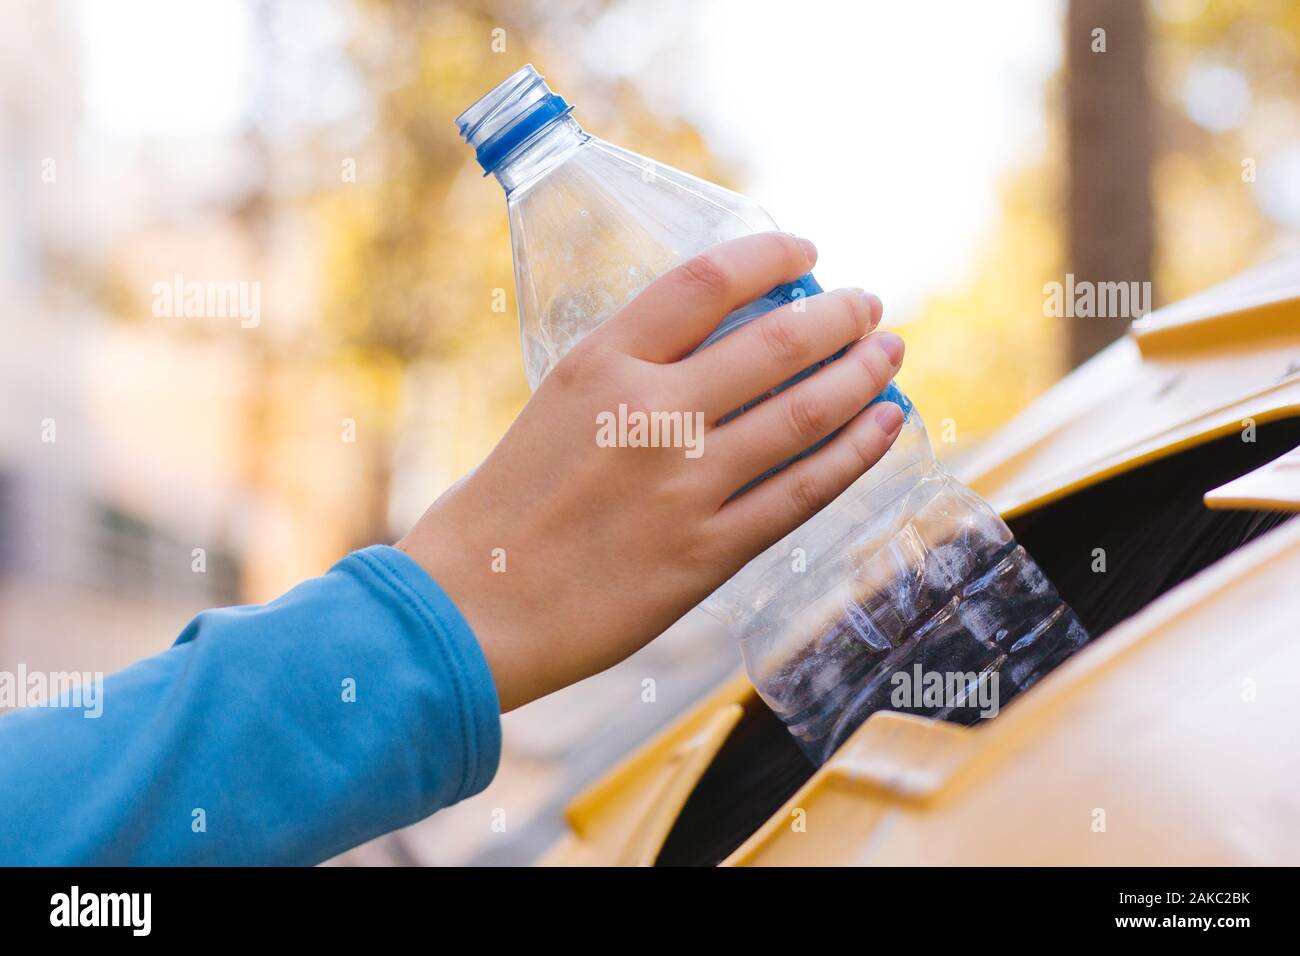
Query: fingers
point(677, 311)
point(805, 413)
point(774, 508)
point(775, 347)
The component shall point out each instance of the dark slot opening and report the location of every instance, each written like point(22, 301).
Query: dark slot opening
point(1156, 533)
point(1152, 524)
point(758, 768)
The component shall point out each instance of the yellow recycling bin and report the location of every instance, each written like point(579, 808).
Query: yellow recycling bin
point(1152, 485)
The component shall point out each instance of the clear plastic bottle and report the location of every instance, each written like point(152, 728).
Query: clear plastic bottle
point(908, 592)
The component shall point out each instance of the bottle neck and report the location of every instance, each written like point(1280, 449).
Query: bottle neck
point(548, 149)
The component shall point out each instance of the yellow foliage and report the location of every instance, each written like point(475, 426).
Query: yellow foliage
point(979, 352)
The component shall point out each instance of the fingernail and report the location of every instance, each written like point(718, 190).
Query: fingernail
point(869, 302)
point(891, 345)
point(809, 249)
point(889, 417)
point(875, 307)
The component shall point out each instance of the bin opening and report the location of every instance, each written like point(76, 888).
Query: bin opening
point(1154, 532)
point(1151, 524)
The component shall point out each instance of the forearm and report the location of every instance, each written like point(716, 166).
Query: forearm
point(357, 703)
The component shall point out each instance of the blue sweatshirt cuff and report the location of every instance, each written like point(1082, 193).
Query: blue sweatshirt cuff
point(478, 710)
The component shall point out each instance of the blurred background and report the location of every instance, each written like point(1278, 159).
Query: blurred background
point(952, 157)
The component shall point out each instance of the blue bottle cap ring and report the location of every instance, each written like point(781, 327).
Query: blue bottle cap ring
point(505, 141)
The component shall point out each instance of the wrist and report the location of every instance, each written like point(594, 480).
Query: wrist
point(453, 556)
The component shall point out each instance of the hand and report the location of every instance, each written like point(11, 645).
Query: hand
point(605, 547)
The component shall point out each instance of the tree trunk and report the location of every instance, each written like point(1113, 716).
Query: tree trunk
point(1108, 120)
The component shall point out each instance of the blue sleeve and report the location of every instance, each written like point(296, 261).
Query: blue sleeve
point(284, 733)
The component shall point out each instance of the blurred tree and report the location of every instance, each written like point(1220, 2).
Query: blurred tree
point(1108, 133)
point(1224, 82)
